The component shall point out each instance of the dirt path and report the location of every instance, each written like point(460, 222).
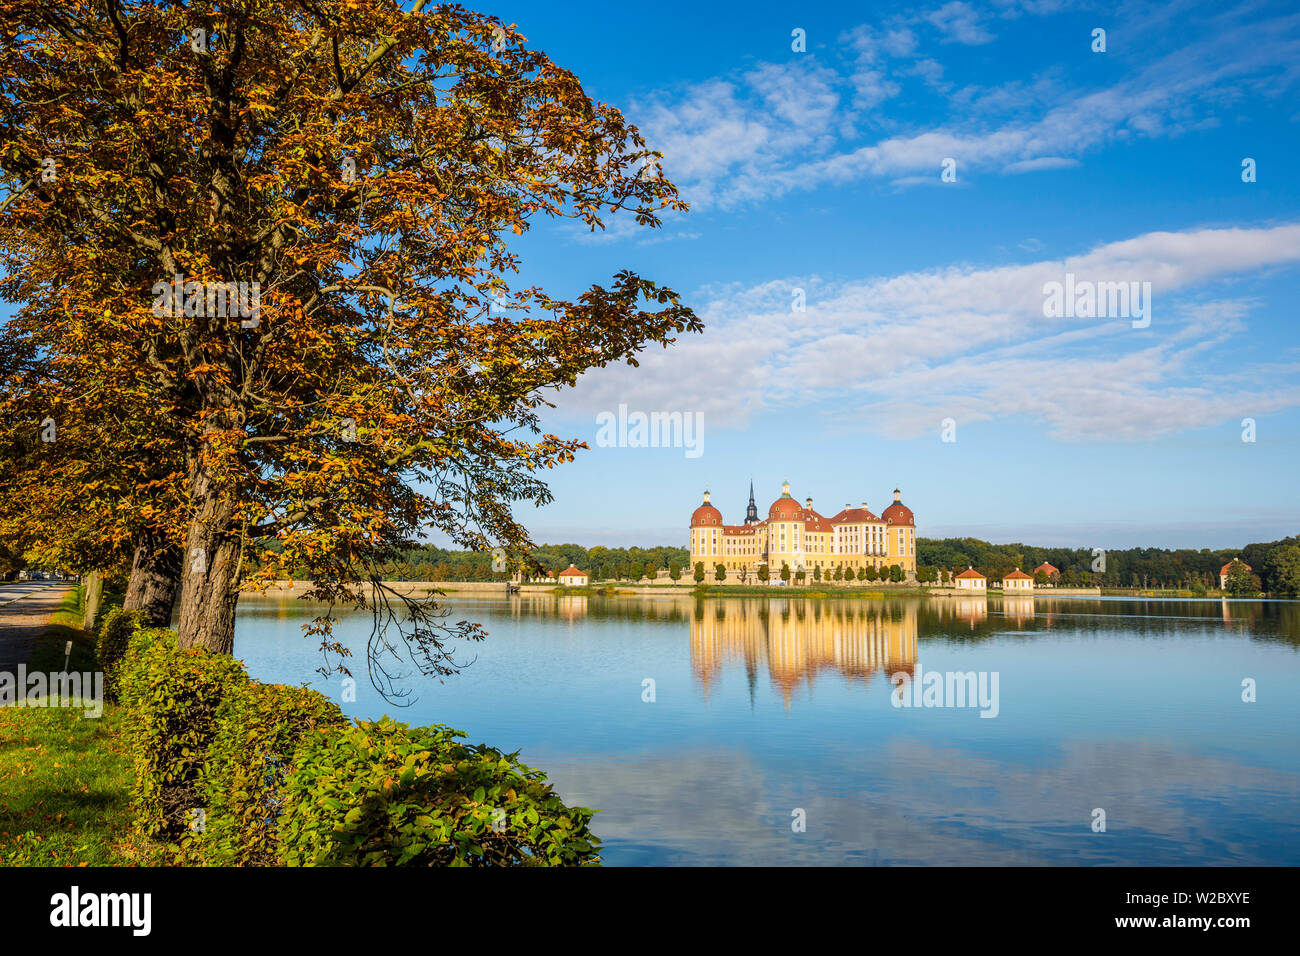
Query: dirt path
point(23, 619)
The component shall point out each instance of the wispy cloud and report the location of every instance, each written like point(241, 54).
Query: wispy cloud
point(778, 128)
point(959, 22)
point(894, 355)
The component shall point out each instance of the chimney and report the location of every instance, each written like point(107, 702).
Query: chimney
point(864, 506)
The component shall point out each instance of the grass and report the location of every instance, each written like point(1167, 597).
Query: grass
point(64, 778)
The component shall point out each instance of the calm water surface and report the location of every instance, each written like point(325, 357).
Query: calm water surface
point(767, 706)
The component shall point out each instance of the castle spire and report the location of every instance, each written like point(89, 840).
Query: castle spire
point(751, 513)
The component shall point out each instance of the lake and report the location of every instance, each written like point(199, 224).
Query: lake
point(750, 730)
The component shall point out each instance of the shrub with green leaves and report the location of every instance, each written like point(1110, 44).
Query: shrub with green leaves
point(383, 793)
point(113, 633)
point(259, 728)
point(172, 698)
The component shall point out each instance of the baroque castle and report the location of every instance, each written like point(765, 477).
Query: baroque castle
point(802, 539)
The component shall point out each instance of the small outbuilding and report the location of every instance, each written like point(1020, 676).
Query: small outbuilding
point(572, 577)
point(1018, 581)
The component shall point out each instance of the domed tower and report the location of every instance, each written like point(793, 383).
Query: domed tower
point(900, 532)
point(785, 532)
point(784, 508)
point(706, 532)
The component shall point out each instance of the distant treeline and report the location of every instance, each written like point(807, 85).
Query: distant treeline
point(1275, 565)
point(1184, 568)
point(438, 564)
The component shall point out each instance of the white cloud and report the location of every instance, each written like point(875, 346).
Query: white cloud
point(898, 353)
point(959, 23)
point(1043, 162)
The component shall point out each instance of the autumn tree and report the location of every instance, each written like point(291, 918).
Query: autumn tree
point(287, 227)
point(89, 486)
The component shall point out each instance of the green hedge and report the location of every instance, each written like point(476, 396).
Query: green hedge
point(113, 632)
point(383, 793)
point(173, 698)
point(258, 730)
point(282, 778)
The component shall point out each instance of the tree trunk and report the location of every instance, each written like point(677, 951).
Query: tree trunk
point(155, 576)
point(92, 593)
point(211, 569)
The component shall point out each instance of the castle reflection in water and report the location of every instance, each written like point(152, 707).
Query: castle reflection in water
point(797, 640)
point(793, 641)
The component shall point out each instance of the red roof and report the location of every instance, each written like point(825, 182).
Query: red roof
point(1226, 567)
point(1017, 574)
point(970, 573)
point(785, 509)
point(706, 514)
point(1046, 569)
point(854, 516)
point(815, 522)
point(898, 513)
point(572, 570)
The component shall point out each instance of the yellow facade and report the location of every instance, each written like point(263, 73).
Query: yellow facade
point(800, 538)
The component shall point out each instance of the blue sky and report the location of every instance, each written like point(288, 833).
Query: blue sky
point(821, 171)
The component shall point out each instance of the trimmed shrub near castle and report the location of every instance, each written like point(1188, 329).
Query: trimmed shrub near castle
point(259, 728)
point(383, 793)
point(174, 697)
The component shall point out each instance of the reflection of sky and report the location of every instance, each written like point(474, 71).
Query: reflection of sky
point(1138, 715)
point(908, 802)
